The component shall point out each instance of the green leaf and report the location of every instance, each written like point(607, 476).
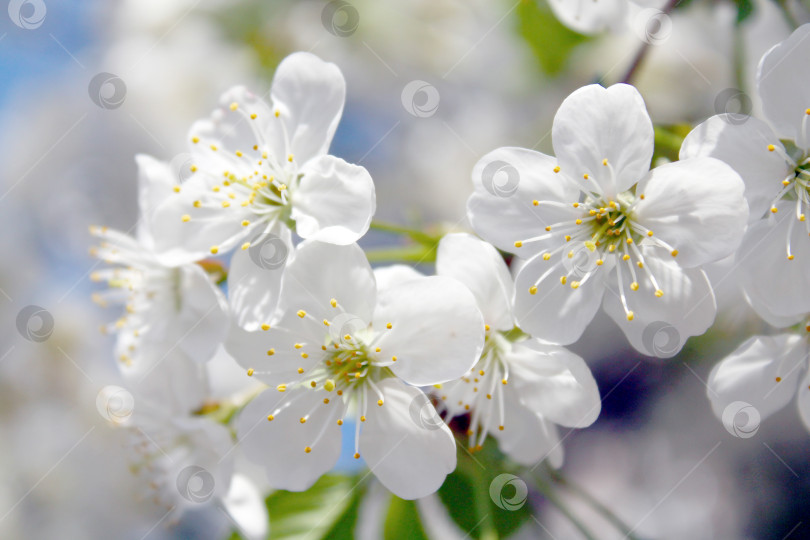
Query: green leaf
point(326, 510)
point(466, 497)
point(550, 41)
point(744, 10)
point(402, 521)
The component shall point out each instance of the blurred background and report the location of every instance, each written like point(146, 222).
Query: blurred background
point(432, 86)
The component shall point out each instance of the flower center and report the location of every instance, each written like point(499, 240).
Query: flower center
point(795, 190)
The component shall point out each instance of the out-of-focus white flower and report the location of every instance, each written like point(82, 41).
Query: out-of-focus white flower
point(776, 248)
point(258, 167)
point(344, 345)
point(596, 223)
point(169, 309)
point(521, 387)
point(765, 373)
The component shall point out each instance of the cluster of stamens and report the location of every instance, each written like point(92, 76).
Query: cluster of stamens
point(348, 363)
point(606, 229)
point(254, 179)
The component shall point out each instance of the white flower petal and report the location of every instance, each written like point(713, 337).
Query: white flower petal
point(750, 373)
point(803, 399)
point(203, 317)
point(507, 181)
point(309, 94)
point(697, 206)
point(246, 507)
point(410, 459)
point(742, 142)
point(527, 437)
point(390, 276)
point(334, 201)
point(272, 354)
point(589, 17)
point(320, 272)
point(210, 225)
point(784, 87)
point(155, 183)
point(254, 278)
point(436, 334)
point(280, 445)
point(594, 124)
point(556, 313)
point(481, 269)
point(554, 383)
point(775, 285)
point(661, 325)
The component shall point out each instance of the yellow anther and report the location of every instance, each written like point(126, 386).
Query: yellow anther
point(186, 218)
point(281, 388)
point(377, 349)
point(575, 284)
point(393, 358)
point(486, 327)
point(585, 176)
point(197, 204)
point(362, 418)
point(298, 345)
point(570, 254)
point(790, 257)
point(771, 148)
point(546, 256)
point(301, 313)
point(333, 302)
point(290, 158)
point(548, 228)
point(779, 379)
point(649, 233)
point(307, 450)
point(265, 327)
point(214, 250)
point(389, 326)
point(195, 140)
point(303, 420)
point(380, 402)
point(532, 290)
point(625, 257)
point(659, 293)
point(563, 280)
point(329, 385)
point(774, 209)
point(567, 238)
point(356, 455)
point(250, 372)
point(578, 222)
point(304, 355)
point(325, 322)
point(234, 106)
point(630, 315)
point(557, 169)
point(599, 262)
point(634, 286)
point(518, 244)
point(215, 189)
point(239, 153)
point(270, 417)
point(214, 147)
point(225, 204)
point(313, 384)
point(535, 202)
point(629, 240)
point(604, 162)
point(193, 168)
point(576, 205)
point(277, 113)
point(271, 352)
point(674, 253)
point(176, 189)
point(245, 223)
point(504, 381)
point(640, 264)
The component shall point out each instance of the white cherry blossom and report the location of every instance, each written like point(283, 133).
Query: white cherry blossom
point(260, 167)
point(597, 227)
point(168, 309)
point(773, 158)
point(521, 387)
point(344, 346)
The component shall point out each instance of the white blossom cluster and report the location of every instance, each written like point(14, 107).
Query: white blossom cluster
point(331, 347)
